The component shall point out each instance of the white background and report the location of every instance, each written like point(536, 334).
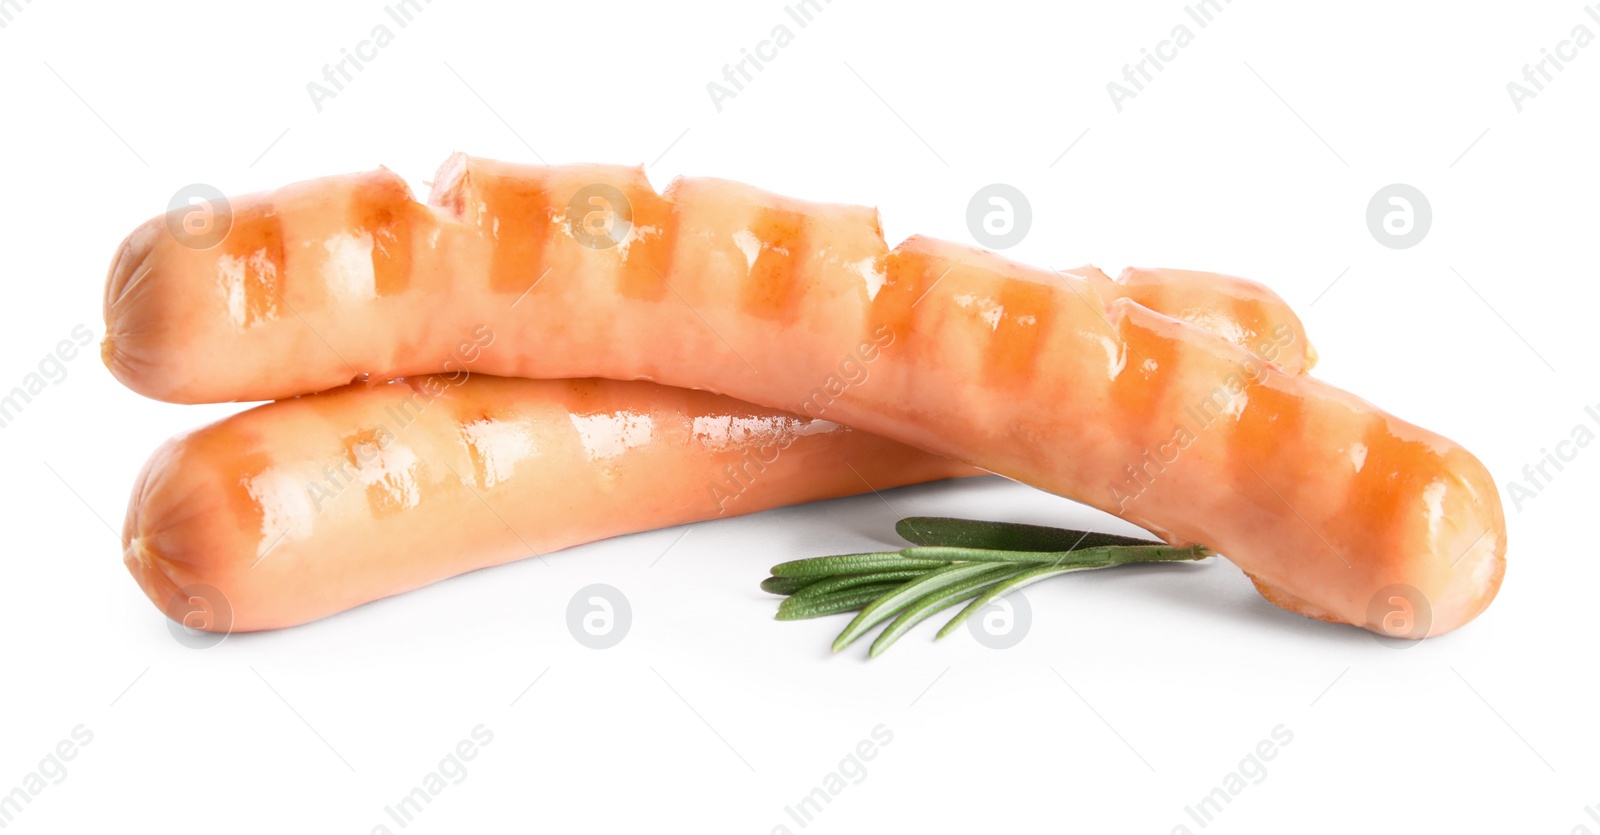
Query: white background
point(1135, 693)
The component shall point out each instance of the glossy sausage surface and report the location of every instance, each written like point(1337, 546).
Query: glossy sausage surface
point(328, 280)
point(302, 508)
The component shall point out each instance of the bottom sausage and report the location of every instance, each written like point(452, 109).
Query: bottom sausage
point(302, 508)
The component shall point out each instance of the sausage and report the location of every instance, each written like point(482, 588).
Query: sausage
point(303, 267)
point(298, 509)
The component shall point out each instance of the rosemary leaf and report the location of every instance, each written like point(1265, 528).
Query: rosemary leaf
point(846, 581)
point(841, 601)
point(850, 564)
point(905, 595)
point(786, 585)
point(1008, 586)
point(1084, 557)
point(1004, 536)
point(937, 602)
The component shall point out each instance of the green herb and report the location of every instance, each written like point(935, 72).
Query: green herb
point(832, 604)
point(1004, 536)
point(951, 561)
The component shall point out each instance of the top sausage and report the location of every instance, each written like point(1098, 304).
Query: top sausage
point(263, 296)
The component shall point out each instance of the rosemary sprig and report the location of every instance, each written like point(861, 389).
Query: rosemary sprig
point(951, 561)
